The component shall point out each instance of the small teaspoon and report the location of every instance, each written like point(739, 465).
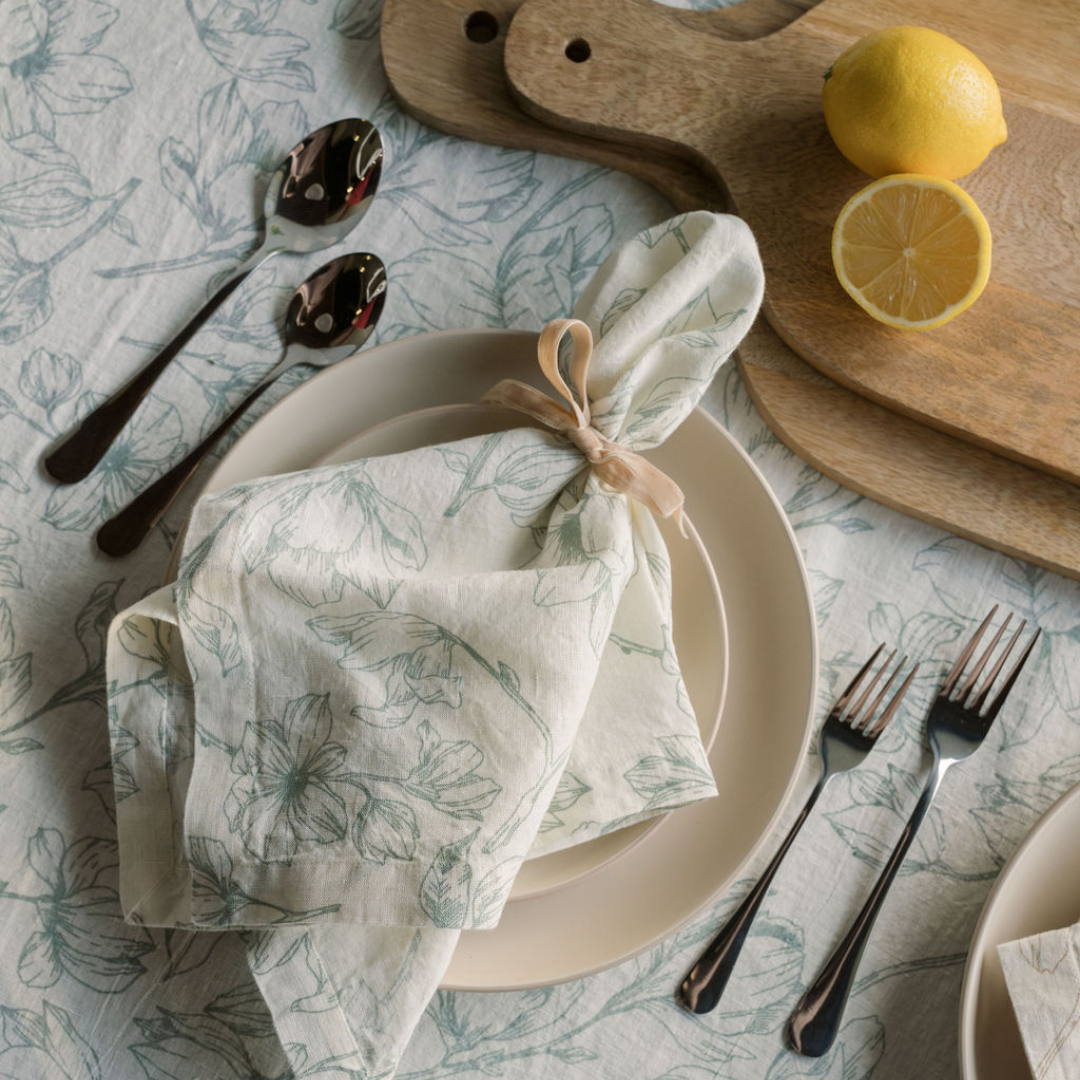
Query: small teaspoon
point(330, 316)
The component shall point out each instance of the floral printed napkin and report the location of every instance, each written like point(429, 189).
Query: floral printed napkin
point(377, 687)
point(1043, 976)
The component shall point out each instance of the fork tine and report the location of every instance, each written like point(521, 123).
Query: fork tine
point(969, 682)
point(845, 697)
point(1008, 684)
point(980, 698)
point(958, 667)
point(859, 722)
point(893, 705)
point(856, 708)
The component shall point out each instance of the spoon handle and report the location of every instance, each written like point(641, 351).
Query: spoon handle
point(75, 458)
point(126, 530)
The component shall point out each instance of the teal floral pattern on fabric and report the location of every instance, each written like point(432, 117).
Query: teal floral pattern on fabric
point(288, 773)
point(83, 935)
point(410, 658)
point(599, 568)
point(284, 535)
point(212, 179)
point(46, 1042)
point(219, 901)
point(50, 65)
point(136, 457)
point(293, 784)
point(667, 778)
point(446, 776)
point(137, 138)
point(486, 627)
point(244, 39)
point(524, 480)
point(26, 298)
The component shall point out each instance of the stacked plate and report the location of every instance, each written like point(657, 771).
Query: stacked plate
point(744, 631)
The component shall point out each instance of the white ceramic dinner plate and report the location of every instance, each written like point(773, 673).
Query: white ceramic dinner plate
point(636, 901)
point(1039, 889)
point(698, 626)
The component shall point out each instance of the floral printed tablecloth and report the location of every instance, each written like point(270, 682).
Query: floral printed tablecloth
point(137, 139)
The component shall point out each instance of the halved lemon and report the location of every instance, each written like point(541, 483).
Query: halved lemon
point(913, 250)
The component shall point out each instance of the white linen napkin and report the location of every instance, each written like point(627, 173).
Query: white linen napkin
point(377, 687)
point(1042, 974)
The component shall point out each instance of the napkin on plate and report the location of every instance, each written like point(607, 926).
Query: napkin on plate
point(1042, 974)
point(377, 687)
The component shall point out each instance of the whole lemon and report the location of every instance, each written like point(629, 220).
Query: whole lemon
point(910, 100)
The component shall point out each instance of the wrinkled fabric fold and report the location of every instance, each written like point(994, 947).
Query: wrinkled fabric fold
point(377, 687)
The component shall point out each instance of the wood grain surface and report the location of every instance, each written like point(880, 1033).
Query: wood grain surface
point(1005, 374)
point(972, 492)
point(457, 85)
point(454, 84)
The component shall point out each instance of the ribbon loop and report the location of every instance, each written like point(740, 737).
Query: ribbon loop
point(616, 466)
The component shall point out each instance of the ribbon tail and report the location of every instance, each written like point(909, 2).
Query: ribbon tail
point(642, 481)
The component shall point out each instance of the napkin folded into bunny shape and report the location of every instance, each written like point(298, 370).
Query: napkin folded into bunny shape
point(377, 687)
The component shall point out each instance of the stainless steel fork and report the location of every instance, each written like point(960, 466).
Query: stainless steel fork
point(845, 741)
point(955, 730)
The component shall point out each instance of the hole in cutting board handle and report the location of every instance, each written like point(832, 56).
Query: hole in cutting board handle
point(481, 27)
point(578, 51)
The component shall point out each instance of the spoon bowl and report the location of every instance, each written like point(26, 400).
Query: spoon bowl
point(318, 194)
point(333, 313)
point(323, 187)
point(336, 307)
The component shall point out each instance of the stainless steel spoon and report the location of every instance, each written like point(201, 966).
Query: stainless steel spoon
point(331, 315)
point(317, 196)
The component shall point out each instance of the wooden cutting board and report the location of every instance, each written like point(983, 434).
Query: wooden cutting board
point(1006, 374)
point(443, 77)
point(457, 85)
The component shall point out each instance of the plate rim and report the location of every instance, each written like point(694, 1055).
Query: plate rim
point(785, 800)
point(969, 988)
point(807, 611)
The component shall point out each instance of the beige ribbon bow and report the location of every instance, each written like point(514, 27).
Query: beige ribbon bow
point(615, 465)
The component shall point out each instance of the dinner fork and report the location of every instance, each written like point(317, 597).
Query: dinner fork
point(845, 741)
point(955, 729)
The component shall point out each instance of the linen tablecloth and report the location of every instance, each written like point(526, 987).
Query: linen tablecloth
point(137, 139)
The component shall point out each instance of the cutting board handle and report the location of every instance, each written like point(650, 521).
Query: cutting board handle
point(613, 68)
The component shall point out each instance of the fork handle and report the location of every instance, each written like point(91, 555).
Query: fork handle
point(706, 981)
point(814, 1024)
